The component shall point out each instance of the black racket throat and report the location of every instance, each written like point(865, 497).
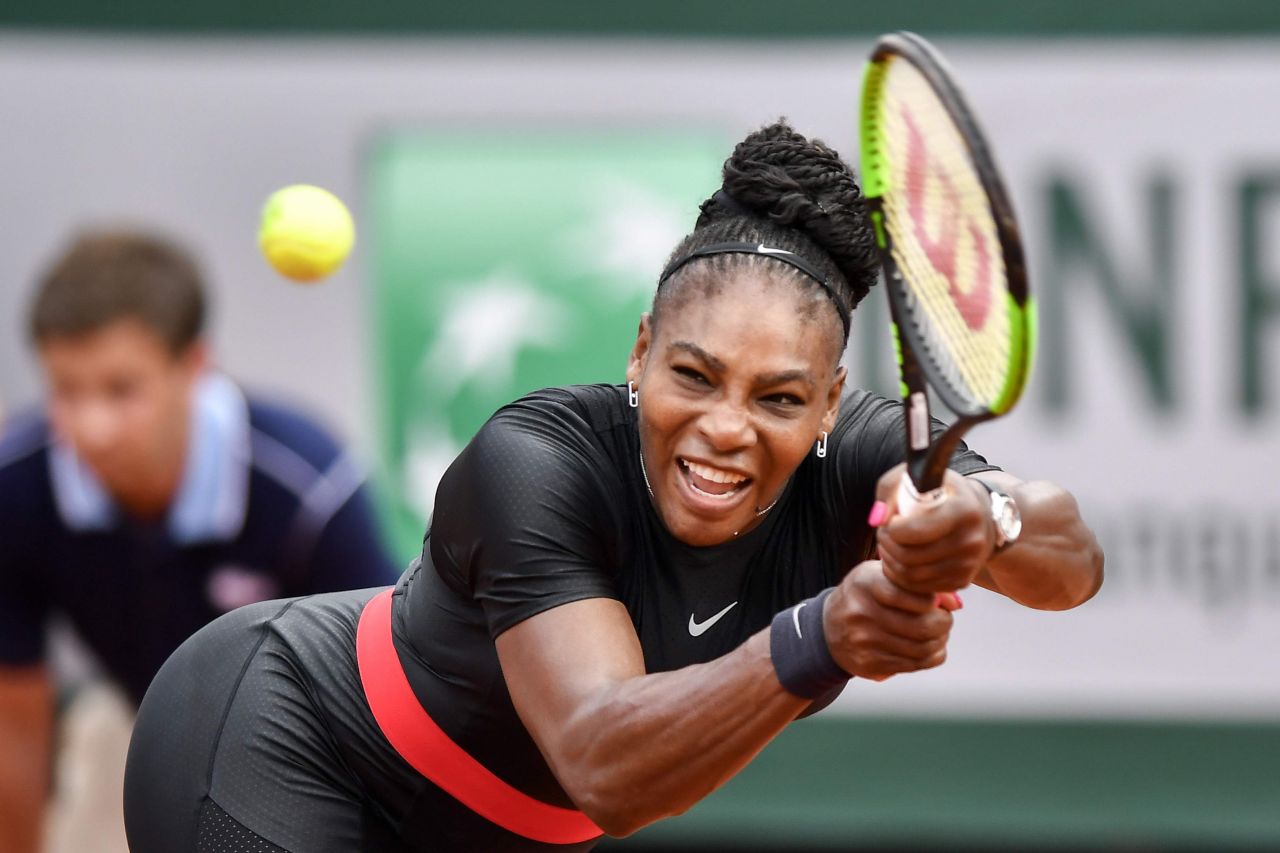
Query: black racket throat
point(928, 457)
point(928, 467)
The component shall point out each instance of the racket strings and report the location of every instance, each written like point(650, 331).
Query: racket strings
point(944, 239)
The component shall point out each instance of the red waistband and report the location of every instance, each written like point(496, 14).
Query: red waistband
point(431, 752)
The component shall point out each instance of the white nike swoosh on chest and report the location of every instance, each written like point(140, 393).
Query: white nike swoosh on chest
point(697, 629)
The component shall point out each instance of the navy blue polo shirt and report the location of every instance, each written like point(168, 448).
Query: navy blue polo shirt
point(268, 506)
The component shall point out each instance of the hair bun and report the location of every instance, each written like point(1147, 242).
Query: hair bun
point(801, 183)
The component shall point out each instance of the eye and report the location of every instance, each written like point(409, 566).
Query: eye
point(692, 375)
point(786, 400)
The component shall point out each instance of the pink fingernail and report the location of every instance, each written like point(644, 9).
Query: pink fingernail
point(879, 510)
point(959, 602)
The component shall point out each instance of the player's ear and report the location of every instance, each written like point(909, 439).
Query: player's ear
point(640, 350)
point(834, 393)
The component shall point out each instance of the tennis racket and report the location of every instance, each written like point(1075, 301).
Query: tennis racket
point(963, 319)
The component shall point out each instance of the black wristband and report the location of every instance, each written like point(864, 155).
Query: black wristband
point(798, 647)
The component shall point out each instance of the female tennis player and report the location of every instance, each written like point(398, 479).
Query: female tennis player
point(626, 591)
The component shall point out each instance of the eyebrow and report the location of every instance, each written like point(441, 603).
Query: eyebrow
point(779, 378)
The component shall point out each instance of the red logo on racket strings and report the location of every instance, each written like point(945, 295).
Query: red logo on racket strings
point(973, 301)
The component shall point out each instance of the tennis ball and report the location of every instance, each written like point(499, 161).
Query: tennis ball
point(306, 232)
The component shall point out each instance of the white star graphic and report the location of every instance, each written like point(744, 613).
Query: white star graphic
point(626, 240)
point(485, 327)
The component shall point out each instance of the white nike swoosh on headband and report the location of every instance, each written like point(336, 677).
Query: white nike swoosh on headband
point(769, 250)
point(697, 629)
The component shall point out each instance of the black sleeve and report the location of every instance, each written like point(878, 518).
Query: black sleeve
point(24, 603)
point(522, 517)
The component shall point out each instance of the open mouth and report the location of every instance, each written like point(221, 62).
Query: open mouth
point(715, 484)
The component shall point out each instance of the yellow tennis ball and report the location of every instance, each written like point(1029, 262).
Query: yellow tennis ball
point(306, 232)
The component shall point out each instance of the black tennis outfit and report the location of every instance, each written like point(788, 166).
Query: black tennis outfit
point(257, 735)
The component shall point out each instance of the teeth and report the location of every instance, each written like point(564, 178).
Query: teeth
point(715, 475)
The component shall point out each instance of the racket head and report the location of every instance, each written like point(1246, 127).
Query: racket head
point(949, 242)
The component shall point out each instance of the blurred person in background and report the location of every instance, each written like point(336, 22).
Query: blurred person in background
point(148, 497)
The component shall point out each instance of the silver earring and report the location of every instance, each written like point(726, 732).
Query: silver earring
point(822, 447)
point(633, 398)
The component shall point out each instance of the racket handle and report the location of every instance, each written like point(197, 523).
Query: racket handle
point(910, 501)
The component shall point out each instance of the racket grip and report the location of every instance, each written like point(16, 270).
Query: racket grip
point(909, 500)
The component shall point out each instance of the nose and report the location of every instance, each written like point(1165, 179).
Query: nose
point(97, 428)
point(727, 427)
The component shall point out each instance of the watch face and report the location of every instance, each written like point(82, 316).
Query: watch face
point(1007, 516)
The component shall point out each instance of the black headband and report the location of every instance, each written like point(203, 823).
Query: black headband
point(789, 258)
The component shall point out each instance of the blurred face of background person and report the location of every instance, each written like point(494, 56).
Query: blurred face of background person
point(122, 399)
point(117, 324)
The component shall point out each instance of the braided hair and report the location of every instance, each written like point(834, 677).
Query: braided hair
point(787, 192)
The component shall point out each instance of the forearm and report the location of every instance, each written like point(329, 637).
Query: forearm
point(25, 736)
point(22, 803)
point(649, 747)
point(1056, 564)
point(631, 748)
